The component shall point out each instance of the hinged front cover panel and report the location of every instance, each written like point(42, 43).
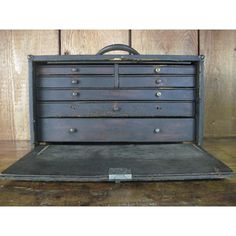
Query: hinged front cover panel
point(117, 163)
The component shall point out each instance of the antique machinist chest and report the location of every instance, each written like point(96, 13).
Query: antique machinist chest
point(127, 117)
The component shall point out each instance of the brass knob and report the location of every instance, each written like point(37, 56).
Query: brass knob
point(116, 108)
point(72, 130)
point(74, 81)
point(157, 130)
point(158, 94)
point(157, 70)
point(75, 94)
point(158, 81)
point(75, 69)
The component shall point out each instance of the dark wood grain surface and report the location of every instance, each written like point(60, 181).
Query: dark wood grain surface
point(116, 130)
point(116, 109)
point(103, 127)
point(156, 81)
point(75, 69)
point(152, 69)
point(109, 95)
point(76, 81)
point(106, 81)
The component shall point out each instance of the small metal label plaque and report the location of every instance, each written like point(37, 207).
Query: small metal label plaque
point(120, 174)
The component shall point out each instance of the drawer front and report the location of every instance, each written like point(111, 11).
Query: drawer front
point(76, 81)
point(116, 109)
point(75, 69)
point(116, 130)
point(156, 81)
point(157, 69)
point(161, 94)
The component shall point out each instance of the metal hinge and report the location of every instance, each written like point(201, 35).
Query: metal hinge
point(42, 143)
point(185, 142)
point(42, 150)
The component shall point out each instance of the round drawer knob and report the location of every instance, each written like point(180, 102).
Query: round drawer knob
point(74, 69)
point(157, 130)
point(116, 108)
point(75, 94)
point(74, 81)
point(72, 130)
point(158, 94)
point(158, 81)
point(157, 70)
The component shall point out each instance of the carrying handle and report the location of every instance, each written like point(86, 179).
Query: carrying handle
point(119, 47)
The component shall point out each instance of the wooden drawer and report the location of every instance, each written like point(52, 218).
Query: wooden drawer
point(116, 130)
point(161, 94)
point(76, 81)
point(116, 109)
point(157, 69)
point(156, 81)
point(75, 69)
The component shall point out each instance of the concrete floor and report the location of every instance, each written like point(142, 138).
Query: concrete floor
point(188, 193)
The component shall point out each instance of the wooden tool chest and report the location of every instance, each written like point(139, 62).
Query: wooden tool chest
point(116, 117)
point(104, 98)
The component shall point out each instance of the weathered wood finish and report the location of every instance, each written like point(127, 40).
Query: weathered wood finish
point(76, 81)
point(75, 69)
point(106, 81)
point(116, 109)
point(219, 47)
point(102, 103)
point(116, 130)
point(173, 42)
point(162, 69)
point(91, 41)
point(156, 81)
point(15, 45)
point(75, 94)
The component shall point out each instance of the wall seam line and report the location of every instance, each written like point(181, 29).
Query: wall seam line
point(59, 42)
